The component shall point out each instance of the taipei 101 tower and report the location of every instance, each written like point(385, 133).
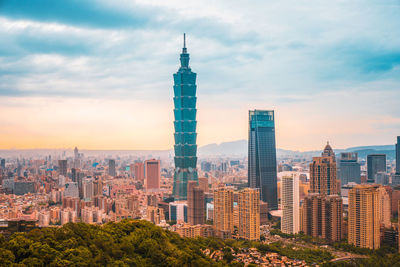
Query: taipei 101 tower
point(185, 126)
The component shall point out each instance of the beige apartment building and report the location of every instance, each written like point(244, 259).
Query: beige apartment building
point(249, 214)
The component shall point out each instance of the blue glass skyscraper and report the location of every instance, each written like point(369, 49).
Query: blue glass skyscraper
point(185, 126)
point(262, 155)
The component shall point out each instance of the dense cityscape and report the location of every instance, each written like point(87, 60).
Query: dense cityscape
point(199, 133)
point(333, 199)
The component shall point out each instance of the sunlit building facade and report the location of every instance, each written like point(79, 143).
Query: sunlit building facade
point(364, 217)
point(249, 214)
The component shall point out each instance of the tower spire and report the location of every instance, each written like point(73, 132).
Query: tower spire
point(184, 50)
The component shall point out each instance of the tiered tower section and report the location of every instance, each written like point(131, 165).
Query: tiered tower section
point(185, 126)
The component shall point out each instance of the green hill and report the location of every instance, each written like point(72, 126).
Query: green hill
point(127, 243)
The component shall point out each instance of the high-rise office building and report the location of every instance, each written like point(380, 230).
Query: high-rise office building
point(223, 210)
point(111, 167)
point(322, 216)
point(375, 163)
point(323, 175)
point(262, 171)
point(196, 205)
point(139, 171)
point(290, 201)
point(62, 167)
point(249, 214)
point(398, 156)
point(152, 172)
point(185, 126)
point(3, 164)
point(349, 168)
point(364, 219)
point(76, 153)
point(76, 158)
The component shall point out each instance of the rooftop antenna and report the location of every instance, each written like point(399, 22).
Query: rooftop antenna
point(184, 50)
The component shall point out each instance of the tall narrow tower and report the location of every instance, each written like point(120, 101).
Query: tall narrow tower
point(262, 156)
point(185, 126)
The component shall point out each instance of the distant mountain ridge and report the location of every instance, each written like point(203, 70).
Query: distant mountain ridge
point(239, 148)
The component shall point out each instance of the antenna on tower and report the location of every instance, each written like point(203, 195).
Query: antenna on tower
point(184, 40)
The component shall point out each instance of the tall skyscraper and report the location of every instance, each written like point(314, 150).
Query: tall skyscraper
point(364, 219)
point(223, 210)
point(349, 168)
point(196, 205)
point(185, 126)
point(262, 155)
point(290, 201)
point(322, 216)
point(323, 175)
point(62, 167)
point(375, 163)
point(111, 167)
point(76, 158)
point(76, 153)
point(139, 171)
point(152, 172)
point(249, 214)
point(398, 156)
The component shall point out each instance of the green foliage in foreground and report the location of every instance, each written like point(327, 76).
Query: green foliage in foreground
point(384, 256)
point(127, 243)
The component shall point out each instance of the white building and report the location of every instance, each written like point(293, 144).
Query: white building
point(290, 222)
point(178, 211)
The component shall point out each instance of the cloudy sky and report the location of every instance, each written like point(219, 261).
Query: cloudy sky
point(98, 74)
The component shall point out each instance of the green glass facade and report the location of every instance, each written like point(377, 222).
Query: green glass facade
point(185, 127)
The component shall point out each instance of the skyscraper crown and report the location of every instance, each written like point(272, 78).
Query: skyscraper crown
point(184, 55)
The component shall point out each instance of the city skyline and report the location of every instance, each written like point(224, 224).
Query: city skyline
point(72, 80)
point(122, 144)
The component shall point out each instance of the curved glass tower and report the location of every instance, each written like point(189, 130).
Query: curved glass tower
point(185, 126)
